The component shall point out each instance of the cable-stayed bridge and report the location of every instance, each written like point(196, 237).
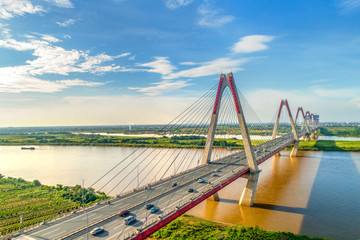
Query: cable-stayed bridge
point(176, 181)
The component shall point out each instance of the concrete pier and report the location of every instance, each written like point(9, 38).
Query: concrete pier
point(248, 195)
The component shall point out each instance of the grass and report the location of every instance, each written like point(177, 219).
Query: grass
point(68, 139)
point(328, 145)
point(37, 202)
point(193, 228)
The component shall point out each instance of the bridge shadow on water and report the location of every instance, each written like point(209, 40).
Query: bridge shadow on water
point(333, 209)
point(280, 208)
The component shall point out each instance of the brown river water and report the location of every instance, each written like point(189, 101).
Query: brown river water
point(316, 194)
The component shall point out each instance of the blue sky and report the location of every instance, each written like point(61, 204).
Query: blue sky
point(69, 62)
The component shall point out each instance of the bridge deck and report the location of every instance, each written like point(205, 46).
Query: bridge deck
point(172, 201)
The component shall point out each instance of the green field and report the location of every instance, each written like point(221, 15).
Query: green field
point(340, 131)
point(68, 139)
point(37, 202)
point(188, 227)
point(329, 145)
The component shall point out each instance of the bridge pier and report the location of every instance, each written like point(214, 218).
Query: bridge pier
point(312, 136)
point(306, 137)
point(215, 197)
point(295, 149)
point(248, 195)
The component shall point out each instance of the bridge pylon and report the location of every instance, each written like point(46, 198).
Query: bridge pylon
point(293, 128)
point(248, 195)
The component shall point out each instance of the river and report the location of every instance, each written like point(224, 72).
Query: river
point(316, 194)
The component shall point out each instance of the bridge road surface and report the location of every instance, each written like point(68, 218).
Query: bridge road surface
point(169, 197)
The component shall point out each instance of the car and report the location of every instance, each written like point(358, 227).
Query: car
point(174, 184)
point(96, 230)
point(200, 180)
point(154, 209)
point(149, 206)
point(214, 174)
point(217, 170)
point(124, 212)
point(190, 190)
point(129, 220)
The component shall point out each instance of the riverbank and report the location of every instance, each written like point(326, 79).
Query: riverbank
point(189, 227)
point(34, 203)
point(197, 142)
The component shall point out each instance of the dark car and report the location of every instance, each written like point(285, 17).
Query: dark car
point(190, 190)
point(174, 184)
point(149, 206)
point(154, 209)
point(124, 212)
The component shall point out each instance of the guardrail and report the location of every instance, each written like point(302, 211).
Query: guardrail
point(103, 220)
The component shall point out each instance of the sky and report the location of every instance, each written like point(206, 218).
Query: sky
point(112, 62)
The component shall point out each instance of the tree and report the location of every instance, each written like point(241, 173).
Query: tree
point(36, 183)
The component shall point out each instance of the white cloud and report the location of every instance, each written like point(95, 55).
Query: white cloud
point(49, 38)
point(356, 100)
point(212, 17)
point(161, 87)
point(74, 110)
point(61, 3)
point(161, 65)
point(66, 23)
point(12, 8)
point(210, 68)
point(319, 81)
point(16, 80)
point(66, 36)
point(172, 4)
point(338, 93)
point(50, 59)
point(330, 108)
point(189, 63)
point(132, 57)
point(252, 43)
point(5, 32)
point(350, 5)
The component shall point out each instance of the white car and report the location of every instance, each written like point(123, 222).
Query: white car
point(96, 230)
point(200, 180)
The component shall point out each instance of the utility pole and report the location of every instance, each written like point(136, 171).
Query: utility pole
point(87, 220)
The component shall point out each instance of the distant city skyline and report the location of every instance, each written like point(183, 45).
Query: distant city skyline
point(122, 62)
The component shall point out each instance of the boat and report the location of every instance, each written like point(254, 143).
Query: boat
point(27, 148)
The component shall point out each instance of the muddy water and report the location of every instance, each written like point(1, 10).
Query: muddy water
point(317, 194)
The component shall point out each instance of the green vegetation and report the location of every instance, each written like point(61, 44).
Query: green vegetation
point(159, 142)
point(340, 131)
point(328, 145)
point(37, 202)
point(188, 227)
point(98, 140)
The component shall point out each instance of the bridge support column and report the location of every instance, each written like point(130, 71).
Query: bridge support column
point(248, 195)
point(312, 136)
point(215, 197)
point(295, 149)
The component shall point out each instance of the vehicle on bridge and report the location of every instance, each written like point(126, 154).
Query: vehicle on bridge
point(154, 209)
point(129, 220)
point(200, 180)
point(148, 206)
point(124, 212)
point(96, 230)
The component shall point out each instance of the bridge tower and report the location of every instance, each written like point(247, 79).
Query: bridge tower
point(248, 194)
point(305, 123)
point(296, 144)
